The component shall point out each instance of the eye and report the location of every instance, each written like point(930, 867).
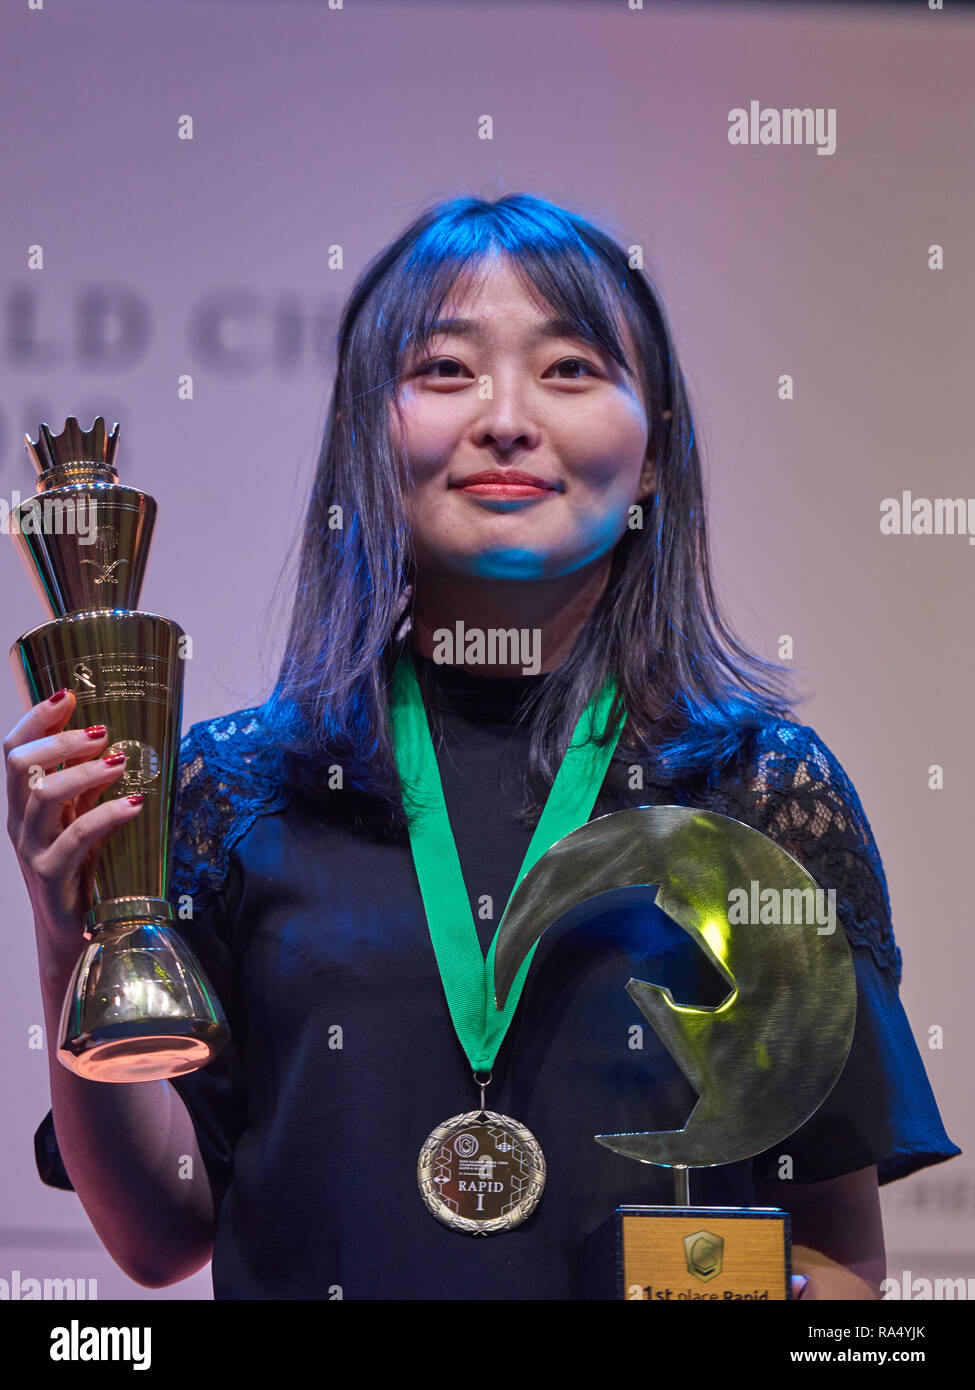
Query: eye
point(429, 369)
point(587, 367)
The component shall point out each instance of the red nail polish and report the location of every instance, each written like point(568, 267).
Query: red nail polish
point(114, 759)
point(135, 800)
point(58, 695)
point(96, 730)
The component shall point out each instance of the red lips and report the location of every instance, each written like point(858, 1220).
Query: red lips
point(509, 476)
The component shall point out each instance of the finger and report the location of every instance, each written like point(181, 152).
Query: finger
point(46, 717)
point(93, 748)
point(90, 794)
point(31, 765)
point(53, 806)
point(91, 791)
point(41, 720)
point(62, 860)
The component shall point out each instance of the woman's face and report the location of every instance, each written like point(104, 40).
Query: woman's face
point(510, 393)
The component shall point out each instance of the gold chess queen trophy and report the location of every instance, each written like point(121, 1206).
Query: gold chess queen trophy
point(139, 1006)
point(762, 1061)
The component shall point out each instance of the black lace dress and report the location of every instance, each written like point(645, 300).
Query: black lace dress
point(344, 1057)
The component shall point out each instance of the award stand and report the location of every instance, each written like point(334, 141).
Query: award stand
point(688, 1253)
point(762, 1061)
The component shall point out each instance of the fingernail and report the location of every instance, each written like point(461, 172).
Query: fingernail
point(58, 695)
point(113, 759)
point(96, 731)
point(135, 800)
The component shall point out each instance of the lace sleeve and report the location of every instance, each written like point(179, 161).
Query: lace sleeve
point(220, 793)
point(797, 793)
point(881, 1111)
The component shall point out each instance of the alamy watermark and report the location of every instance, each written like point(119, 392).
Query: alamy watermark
point(50, 516)
point(77, 1343)
point(21, 1287)
point(782, 907)
point(911, 1289)
point(793, 125)
point(492, 646)
point(908, 515)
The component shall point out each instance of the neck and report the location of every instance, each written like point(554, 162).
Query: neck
point(543, 619)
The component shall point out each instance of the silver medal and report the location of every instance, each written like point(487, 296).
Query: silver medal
point(481, 1173)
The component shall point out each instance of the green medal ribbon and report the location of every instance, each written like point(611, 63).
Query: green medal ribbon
point(467, 977)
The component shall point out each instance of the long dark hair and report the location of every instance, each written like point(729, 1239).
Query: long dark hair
point(690, 689)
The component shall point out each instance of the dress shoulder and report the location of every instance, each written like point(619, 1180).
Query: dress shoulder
point(881, 1111)
point(794, 789)
point(224, 783)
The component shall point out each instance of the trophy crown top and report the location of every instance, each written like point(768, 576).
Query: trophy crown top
point(75, 453)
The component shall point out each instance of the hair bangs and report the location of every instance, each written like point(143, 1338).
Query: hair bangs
point(558, 268)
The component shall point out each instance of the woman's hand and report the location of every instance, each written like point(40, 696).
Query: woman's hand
point(837, 1234)
point(56, 829)
point(822, 1277)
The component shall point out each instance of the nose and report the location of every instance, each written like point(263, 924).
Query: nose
point(505, 440)
point(506, 422)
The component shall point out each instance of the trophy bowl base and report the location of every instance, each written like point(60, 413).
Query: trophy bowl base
point(139, 1007)
point(119, 1054)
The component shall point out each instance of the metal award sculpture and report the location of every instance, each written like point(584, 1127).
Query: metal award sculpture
point(762, 1061)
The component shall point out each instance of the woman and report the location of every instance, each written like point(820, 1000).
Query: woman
point(509, 449)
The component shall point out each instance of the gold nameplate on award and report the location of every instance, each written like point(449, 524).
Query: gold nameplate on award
point(762, 1061)
point(139, 1007)
point(683, 1254)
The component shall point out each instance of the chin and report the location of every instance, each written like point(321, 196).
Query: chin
point(519, 564)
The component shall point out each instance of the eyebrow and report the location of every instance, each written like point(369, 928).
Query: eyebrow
point(551, 328)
